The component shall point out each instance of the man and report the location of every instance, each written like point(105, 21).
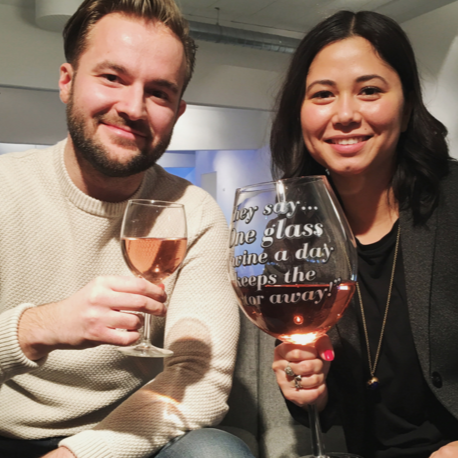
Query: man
point(65, 292)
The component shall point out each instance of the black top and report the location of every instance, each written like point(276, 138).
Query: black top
point(404, 419)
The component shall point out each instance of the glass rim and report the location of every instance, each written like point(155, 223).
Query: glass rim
point(155, 203)
point(273, 184)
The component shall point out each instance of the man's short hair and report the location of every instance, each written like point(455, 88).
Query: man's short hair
point(91, 11)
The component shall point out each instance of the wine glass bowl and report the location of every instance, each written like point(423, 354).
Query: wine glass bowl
point(292, 262)
point(153, 258)
point(292, 322)
point(153, 243)
point(292, 256)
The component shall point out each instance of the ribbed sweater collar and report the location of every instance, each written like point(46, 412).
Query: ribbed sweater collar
point(89, 204)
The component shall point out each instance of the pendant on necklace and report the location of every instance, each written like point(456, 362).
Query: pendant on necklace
point(373, 384)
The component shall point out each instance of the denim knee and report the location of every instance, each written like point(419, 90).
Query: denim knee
point(205, 443)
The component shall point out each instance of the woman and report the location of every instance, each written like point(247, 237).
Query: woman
point(351, 107)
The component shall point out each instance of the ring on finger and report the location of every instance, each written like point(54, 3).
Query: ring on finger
point(297, 382)
point(289, 372)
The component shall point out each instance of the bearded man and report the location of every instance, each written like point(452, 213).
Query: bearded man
point(66, 296)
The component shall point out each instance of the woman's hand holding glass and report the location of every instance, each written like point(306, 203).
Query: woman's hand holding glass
point(312, 363)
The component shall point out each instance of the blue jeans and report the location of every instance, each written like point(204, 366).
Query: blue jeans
point(202, 443)
point(205, 443)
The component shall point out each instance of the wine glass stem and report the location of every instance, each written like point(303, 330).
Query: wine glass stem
point(147, 329)
point(317, 443)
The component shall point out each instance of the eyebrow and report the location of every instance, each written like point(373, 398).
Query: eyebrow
point(360, 79)
point(107, 65)
point(364, 78)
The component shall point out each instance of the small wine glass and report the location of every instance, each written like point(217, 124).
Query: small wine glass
point(153, 242)
point(293, 264)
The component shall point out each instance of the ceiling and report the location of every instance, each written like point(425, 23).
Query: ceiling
point(285, 17)
point(296, 16)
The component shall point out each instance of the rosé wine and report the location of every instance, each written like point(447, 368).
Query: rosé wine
point(298, 313)
point(153, 258)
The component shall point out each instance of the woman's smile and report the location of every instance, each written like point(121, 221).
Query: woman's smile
point(348, 145)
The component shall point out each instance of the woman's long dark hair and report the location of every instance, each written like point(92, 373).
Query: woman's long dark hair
point(422, 152)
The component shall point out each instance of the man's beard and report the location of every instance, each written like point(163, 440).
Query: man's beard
point(97, 155)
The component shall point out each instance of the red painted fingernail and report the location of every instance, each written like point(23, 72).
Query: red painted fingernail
point(329, 355)
point(162, 286)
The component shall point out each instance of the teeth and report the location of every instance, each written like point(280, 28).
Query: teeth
point(348, 141)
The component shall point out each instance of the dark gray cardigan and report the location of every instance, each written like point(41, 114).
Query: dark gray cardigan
point(430, 255)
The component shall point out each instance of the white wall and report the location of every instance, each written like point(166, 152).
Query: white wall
point(235, 76)
point(30, 57)
point(230, 76)
point(234, 169)
point(215, 128)
point(434, 37)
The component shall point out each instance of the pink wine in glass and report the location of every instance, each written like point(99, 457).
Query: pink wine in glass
point(153, 258)
point(298, 313)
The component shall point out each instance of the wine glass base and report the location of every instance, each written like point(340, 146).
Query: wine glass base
point(333, 455)
point(145, 351)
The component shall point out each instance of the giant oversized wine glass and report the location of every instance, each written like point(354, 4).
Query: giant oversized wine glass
point(153, 240)
point(293, 263)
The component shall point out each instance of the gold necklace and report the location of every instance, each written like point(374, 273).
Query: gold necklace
point(373, 383)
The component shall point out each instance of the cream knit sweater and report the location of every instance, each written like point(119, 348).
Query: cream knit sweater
point(54, 239)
